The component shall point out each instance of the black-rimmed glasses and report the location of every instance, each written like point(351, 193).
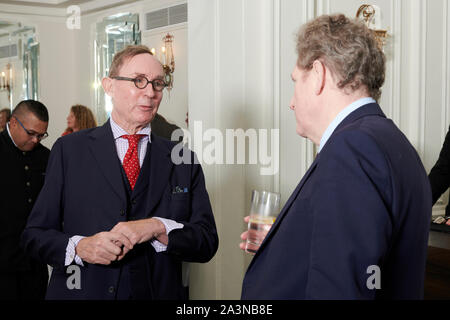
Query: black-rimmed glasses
point(141, 82)
point(39, 136)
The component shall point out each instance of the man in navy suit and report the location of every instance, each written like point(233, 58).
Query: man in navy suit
point(116, 217)
point(356, 226)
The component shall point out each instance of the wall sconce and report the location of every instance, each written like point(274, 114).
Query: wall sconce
point(167, 59)
point(6, 77)
point(371, 16)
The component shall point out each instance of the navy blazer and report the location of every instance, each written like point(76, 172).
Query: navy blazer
point(365, 201)
point(84, 194)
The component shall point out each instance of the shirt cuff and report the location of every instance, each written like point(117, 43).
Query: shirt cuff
point(70, 251)
point(169, 225)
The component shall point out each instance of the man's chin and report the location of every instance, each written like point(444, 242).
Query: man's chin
point(301, 133)
point(147, 116)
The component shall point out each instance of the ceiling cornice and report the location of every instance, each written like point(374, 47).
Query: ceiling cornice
point(59, 9)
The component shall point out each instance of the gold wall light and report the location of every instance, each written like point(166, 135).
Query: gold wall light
point(6, 80)
point(167, 59)
point(367, 13)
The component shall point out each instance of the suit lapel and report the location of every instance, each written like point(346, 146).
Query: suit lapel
point(287, 206)
point(160, 169)
point(103, 149)
point(296, 191)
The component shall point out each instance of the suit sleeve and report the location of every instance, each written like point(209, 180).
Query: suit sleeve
point(440, 173)
point(351, 223)
point(197, 241)
point(43, 237)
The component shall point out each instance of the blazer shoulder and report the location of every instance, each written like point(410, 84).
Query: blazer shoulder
point(168, 145)
point(163, 141)
point(357, 149)
point(79, 135)
point(73, 142)
point(375, 131)
point(354, 137)
point(179, 152)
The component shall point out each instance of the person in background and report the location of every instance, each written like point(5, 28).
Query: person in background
point(164, 129)
point(5, 115)
point(356, 226)
point(80, 118)
point(440, 175)
point(23, 160)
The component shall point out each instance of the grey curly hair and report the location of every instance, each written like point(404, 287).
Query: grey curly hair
point(348, 48)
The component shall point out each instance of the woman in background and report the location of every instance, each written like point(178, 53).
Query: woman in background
point(80, 117)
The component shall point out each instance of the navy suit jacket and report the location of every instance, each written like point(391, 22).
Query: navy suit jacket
point(365, 201)
point(84, 194)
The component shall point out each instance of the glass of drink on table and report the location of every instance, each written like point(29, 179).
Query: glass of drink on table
point(265, 207)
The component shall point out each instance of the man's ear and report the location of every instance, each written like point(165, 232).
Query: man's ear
point(13, 127)
point(12, 122)
point(107, 84)
point(320, 72)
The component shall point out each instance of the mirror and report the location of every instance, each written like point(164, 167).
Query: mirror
point(19, 63)
point(112, 35)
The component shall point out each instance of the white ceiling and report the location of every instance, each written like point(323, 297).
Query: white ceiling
point(86, 6)
point(46, 3)
point(39, 2)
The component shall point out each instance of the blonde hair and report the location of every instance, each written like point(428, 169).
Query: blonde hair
point(84, 117)
point(121, 56)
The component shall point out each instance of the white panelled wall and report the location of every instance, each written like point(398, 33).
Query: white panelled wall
point(231, 73)
point(233, 93)
point(233, 65)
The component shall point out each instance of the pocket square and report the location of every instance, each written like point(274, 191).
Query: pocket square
point(178, 189)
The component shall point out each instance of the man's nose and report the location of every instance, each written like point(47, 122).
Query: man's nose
point(149, 91)
point(291, 104)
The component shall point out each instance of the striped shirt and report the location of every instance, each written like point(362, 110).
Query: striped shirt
point(122, 143)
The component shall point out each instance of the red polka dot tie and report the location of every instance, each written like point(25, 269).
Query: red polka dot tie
point(131, 160)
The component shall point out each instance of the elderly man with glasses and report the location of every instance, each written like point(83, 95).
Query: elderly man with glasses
point(23, 160)
point(117, 215)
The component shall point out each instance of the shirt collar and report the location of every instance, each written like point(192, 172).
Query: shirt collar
point(9, 133)
point(341, 116)
point(118, 131)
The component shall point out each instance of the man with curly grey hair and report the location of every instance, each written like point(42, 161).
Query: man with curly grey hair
point(356, 226)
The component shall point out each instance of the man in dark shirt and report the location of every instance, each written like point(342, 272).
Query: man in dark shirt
point(440, 173)
point(23, 161)
point(163, 128)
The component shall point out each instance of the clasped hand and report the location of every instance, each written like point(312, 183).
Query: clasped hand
point(113, 245)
